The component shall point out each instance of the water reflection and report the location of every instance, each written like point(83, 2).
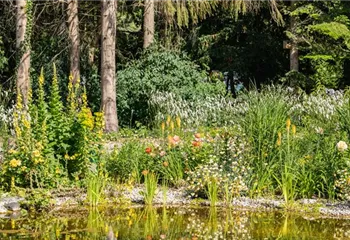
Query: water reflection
point(171, 223)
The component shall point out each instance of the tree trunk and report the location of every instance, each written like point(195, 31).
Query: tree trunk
point(148, 23)
point(23, 49)
point(108, 68)
point(74, 37)
point(294, 53)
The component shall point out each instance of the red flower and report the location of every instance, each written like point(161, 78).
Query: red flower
point(148, 150)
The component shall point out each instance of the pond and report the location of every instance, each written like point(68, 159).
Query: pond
point(171, 223)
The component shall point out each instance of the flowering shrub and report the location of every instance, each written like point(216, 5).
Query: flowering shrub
point(226, 166)
point(207, 111)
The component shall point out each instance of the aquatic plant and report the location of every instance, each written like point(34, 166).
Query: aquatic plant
point(150, 183)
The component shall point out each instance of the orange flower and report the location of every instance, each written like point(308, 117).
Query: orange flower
point(173, 140)
point(165, 164)
point(148, 150)
point(145, 172)
point(196, 144)
point(197, 135)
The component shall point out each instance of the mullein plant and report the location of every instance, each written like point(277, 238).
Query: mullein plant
point(52, 141)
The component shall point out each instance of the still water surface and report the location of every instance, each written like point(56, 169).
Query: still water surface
point(171, 223)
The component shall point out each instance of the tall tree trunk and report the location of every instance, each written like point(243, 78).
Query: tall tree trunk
point(23, 48)
point(294, 53)
point(148, 23)
point(74, 37)
point(108, 68)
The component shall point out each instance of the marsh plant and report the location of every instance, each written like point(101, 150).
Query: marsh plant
point(150, 184)
point(287, 180)
point(96, 183)
point(212, 191)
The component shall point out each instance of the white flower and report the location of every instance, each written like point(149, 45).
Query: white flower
point(342, 146)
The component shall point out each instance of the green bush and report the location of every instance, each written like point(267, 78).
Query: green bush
point(156, 70)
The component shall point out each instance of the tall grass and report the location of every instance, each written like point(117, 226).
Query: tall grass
point(212, 191)
point(95, 184)
point(266, 115)
point(151, 181)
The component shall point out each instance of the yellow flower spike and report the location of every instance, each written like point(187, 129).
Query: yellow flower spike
point(12, 182)
point(279, 139)
point(41, 77)
point(163, 127)
point(172, 126)
point(294, 130)
point(170, 140)
point(288, 123)
point(13, 224)
point(168, 120)
point(178, 122)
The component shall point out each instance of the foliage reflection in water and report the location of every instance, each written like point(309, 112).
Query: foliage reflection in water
point(171, 223)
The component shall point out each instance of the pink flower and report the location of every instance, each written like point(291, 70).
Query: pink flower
point(162, 153)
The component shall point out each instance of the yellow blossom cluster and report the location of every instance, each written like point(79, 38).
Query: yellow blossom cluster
point(15, 163)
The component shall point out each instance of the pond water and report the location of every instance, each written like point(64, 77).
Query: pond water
point(171, 223)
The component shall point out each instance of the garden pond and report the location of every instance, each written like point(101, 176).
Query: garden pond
point(141, 222)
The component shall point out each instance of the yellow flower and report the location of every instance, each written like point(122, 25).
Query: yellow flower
point(36, 154)
point(168, 120)
point(15, 163)
point(279, 139)
point(26, 123)
point(288, 124)
point(294, 129)
point(12, 151)
point(39, 145)
point(178, 122)
point(66, 156)
point(58, 171)
point(23, 168)
point(163, 126)
point(41, 77)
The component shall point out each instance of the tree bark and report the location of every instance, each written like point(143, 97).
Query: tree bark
point(294, 53)
point(108, 67)
point(148, 23)
point(23, 48)
point(74, 37)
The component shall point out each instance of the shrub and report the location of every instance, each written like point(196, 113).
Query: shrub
point(156, 70)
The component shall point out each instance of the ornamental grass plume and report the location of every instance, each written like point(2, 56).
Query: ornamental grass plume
point(342, 146)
